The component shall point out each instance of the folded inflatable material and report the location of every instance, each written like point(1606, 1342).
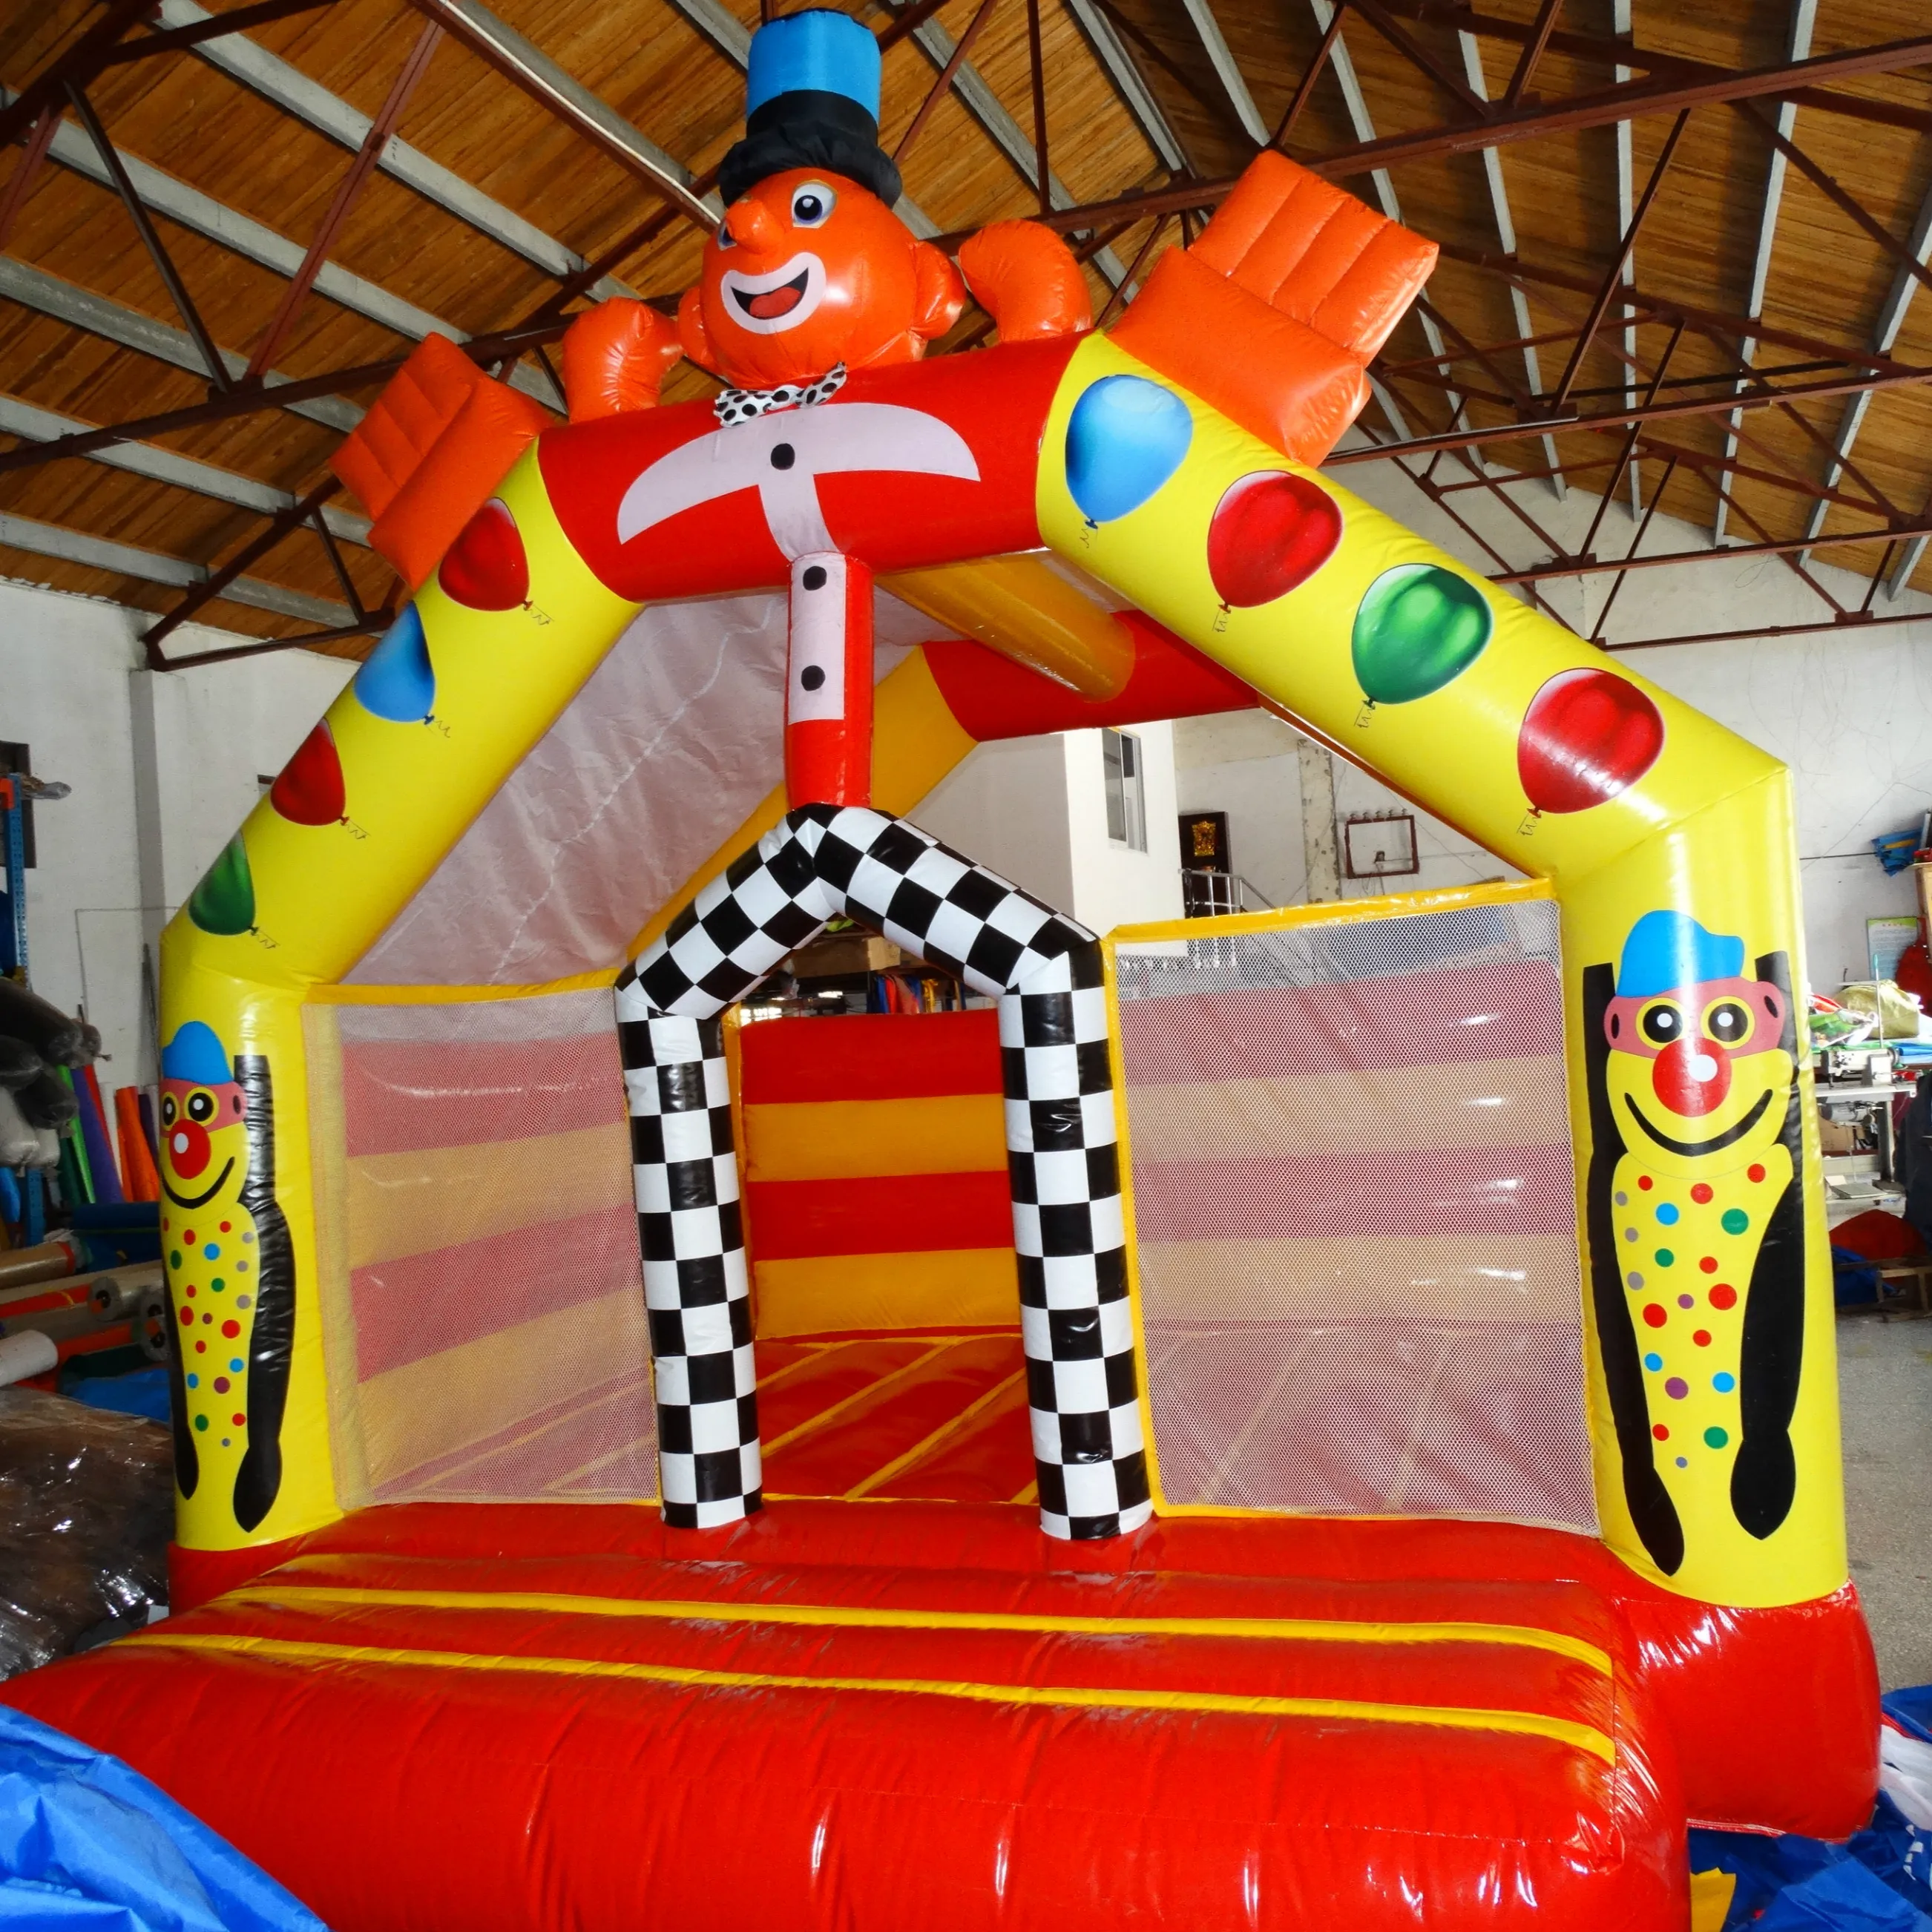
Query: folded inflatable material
point(20, 1066)
point(86, 1502)
point(85, 1842)
point(49, 1101)
point(54, 1036)
point(20, 1141)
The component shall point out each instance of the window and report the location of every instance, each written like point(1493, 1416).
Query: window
point(1126, 809)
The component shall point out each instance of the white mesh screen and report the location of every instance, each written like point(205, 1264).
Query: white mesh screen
point(485, 1306)
point(1355, 1216)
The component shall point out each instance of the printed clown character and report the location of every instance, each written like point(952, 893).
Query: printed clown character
point(1695, 1227)
point(231, 1273)
point(811, 275)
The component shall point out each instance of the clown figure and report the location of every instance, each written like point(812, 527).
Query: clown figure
point(1693, 1067)
point(229, 1269)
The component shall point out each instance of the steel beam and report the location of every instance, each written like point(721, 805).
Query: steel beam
point(306, 100)
point(529, 67)
point(113, 322)
point(202, 215)
point(1523, 432)
point(1584, 566)
point(1666, 95)
point(1619, 49)
point(167, 466)
point(1884, 333)
point(150, 239)
point(289, 309)
point(292, 395)
point(1798, 44)
point(1505, 221)
point(984, 105)
point(77, 64)
point(234, 20)
point(52, 540)
point(1227, 70)
point(1850, 620)
point(1133, 90)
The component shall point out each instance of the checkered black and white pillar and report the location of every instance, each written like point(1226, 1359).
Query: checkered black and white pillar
point(819, 862)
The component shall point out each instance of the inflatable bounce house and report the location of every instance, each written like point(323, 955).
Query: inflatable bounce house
point(1311, 1419)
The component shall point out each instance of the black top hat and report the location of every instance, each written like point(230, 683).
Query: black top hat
point(812, 101)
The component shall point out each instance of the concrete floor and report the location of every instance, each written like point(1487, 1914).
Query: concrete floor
point(1885, 1383)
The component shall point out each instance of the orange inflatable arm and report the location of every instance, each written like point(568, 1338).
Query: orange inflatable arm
point(1309, 283)
point(616, 357)
point(1025, 277)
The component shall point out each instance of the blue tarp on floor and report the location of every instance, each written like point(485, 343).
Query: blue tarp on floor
point(87, 1845)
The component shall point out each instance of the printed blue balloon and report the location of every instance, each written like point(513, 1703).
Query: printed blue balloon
point(1127, 436)
point(396, 681)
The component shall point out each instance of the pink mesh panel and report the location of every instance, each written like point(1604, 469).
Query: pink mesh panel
point(1354, 1212)
point(499, 1348)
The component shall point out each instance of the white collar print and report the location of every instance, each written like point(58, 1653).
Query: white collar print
point(735, 405)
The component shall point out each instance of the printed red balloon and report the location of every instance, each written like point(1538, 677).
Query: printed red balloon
point(310, 791)
point(1587, 736)
point(486, 568)
point(1270, 531)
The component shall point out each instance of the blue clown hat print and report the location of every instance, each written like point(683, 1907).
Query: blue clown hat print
point(811, 101)
point(1666, 950)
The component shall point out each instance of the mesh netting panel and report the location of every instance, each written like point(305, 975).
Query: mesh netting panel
point(1355, 1216)
point(486, 1324)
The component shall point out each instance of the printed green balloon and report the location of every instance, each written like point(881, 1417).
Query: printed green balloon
point(1418, 628)
point(224, 901)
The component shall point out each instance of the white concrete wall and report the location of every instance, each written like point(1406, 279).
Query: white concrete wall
point(1035, 811)
point(1004, 807)
point(1850, 712)
point(163, 768)
point(1113, 884)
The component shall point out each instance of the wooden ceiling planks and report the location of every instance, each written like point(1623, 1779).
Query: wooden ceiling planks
point(180, 113)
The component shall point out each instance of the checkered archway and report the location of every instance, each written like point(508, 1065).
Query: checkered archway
point(820, 861)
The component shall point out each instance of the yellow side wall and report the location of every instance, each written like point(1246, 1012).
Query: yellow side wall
point(1706, 831)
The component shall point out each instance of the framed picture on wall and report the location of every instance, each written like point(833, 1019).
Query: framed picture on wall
point(1380, 845)
point(1204, 842)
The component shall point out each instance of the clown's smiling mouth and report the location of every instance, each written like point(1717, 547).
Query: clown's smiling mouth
point(1717, 1142)
point(770, 304)
point(200, 1200)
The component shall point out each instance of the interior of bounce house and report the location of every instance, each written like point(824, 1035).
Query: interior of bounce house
point(1324, 1416)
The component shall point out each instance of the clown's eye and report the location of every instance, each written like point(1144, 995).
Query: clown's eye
point(201, 1106)
point(1662, 1024)
point(726, 239)
point(1728, 1022)
point(812, 204)
point(168, 1111)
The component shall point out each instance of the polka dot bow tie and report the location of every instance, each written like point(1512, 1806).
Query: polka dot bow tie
point(732, 406)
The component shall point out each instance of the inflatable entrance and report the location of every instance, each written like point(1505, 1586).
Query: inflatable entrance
point(1311, 1418)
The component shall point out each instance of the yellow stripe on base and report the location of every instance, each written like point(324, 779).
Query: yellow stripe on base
point(947, 1287)
point(1293, 1630)
point(1526, 1723)
point(857, 1140)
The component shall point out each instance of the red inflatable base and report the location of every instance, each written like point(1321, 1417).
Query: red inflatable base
point(901, 1714)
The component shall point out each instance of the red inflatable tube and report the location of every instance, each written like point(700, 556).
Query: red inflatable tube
point(994, 698)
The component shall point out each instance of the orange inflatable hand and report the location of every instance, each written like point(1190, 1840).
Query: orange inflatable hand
point(616, 357)
point(1025, 277)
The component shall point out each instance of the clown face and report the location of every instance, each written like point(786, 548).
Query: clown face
point(1699, 1071)
point(204, 1141)
point(809, 270)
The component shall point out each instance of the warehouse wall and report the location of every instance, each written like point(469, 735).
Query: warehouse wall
point(163, 768)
